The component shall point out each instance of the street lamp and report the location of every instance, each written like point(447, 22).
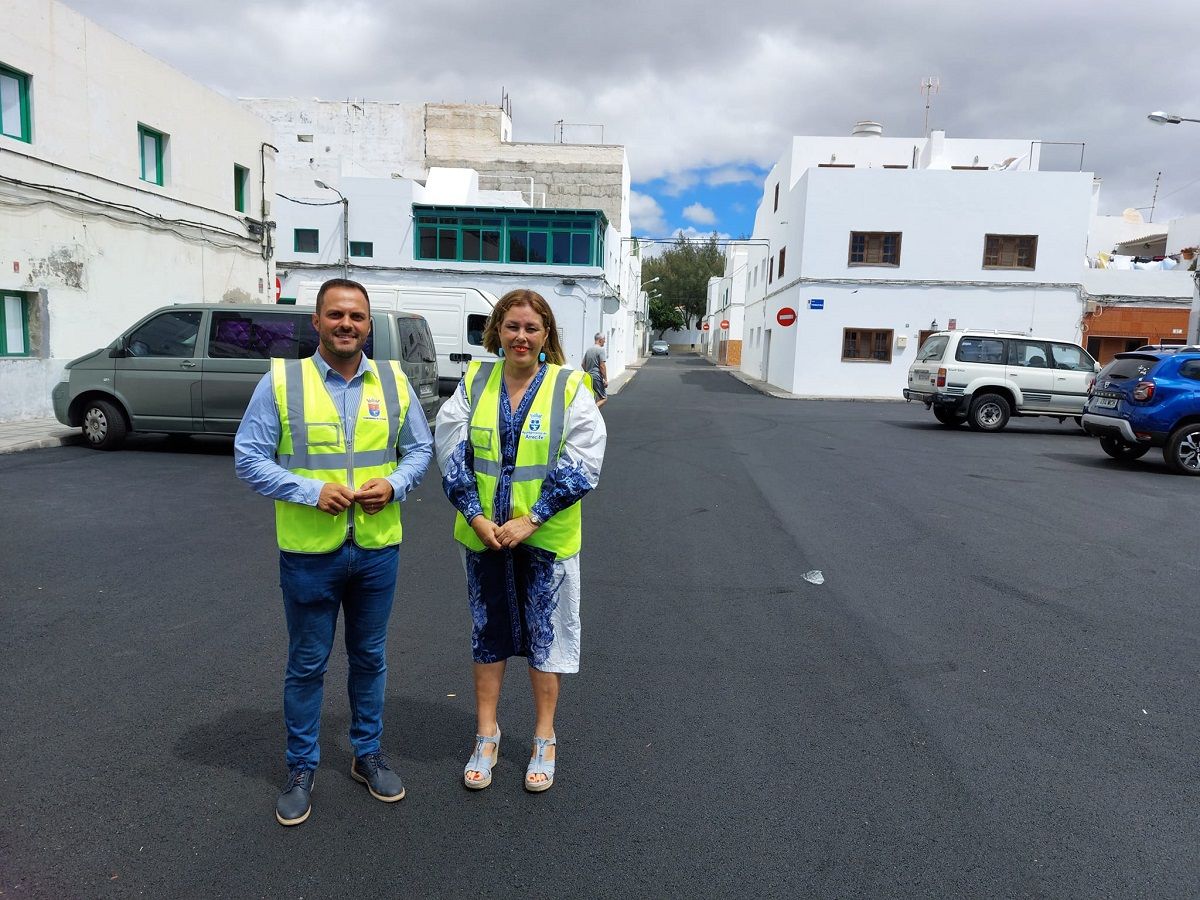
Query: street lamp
point(651, 281)
point(345, 225)
point(1165, 118)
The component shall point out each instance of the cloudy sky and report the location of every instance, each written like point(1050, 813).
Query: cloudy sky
point(705, 96)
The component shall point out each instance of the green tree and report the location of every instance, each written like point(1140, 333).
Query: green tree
point(664, 316)
point(683, 270)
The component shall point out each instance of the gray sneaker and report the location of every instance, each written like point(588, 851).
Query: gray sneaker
point(293, 805)
point(372, 769)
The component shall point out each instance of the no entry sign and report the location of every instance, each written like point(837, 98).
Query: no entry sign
point(704, 327)
point(786, 316)
point(724, 324)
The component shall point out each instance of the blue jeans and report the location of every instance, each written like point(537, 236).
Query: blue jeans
point(315, 586)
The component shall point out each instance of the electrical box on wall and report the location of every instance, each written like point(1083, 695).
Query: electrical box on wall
point(901, 341)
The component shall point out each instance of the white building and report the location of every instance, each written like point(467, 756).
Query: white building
point(441, 195)
point(125, 186)
point(862, 244)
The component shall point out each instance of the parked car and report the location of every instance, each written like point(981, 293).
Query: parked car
point(1146, 399)
point(191, 369)
point(983, 378)
point(1166, 348)
point(660, 348)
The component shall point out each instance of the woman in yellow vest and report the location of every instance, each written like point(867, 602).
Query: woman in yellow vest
point(519, 444)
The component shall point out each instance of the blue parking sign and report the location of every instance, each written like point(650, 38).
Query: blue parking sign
point(816, 303)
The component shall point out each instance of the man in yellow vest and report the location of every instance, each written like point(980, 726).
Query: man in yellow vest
point(337, 440)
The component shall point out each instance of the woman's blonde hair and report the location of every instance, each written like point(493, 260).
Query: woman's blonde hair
point(536, 302)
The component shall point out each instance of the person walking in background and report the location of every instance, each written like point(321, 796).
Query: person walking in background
point(337, 440)
point(519, 444)
point(595, 363)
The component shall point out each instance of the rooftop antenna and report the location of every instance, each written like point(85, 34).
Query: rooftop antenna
point(929, 86)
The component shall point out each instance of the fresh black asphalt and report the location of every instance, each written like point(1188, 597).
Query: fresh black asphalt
point(991, 694)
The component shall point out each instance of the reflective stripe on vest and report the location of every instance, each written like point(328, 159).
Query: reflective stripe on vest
point(538, 450)
point(313, 444)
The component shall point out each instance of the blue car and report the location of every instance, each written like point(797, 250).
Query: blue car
point(1146, 399)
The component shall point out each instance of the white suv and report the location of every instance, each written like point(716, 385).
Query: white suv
point(982, 378)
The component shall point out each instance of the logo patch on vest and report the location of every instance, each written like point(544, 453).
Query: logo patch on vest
point(373, 407)
point(533, 428)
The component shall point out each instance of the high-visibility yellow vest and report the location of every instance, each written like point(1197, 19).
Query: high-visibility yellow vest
point(540, 444)
point(313, 443)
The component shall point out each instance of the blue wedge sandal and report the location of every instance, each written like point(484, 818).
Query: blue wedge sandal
point(539, 765)
point(482, 763)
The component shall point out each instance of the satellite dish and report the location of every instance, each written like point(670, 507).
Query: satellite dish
point(611, 305)
point(1132, 216)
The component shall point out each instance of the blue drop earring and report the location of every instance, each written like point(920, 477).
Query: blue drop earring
point(541, 357)
point(500, 353)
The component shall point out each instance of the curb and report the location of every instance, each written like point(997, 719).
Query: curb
point(53, 440)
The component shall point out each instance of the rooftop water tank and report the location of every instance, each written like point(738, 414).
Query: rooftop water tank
point(867, 129)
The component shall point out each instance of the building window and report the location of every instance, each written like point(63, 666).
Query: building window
point(151, 144)
point(241, 178)
point(894, 166)
point(307, 240)
point(874, 248)
point(771, 271)
point(1010, 251)
point(867, 344)
point(969, 168)
point(14, 105)
point(14, 325)
point(523, 236)
point(362, 248)
point(782, 252)
point(776, 197)
point(835, 165)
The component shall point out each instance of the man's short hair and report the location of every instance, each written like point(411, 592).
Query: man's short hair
point(599, 336)
point(342, 283)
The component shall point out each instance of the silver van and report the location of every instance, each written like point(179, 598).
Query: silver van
point(190, 369)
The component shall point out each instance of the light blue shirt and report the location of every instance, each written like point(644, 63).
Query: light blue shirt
point(258, 438)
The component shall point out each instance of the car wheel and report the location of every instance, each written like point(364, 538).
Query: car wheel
point(948, 416)
point(1182, 452)
point(1119, 450)
point(103, 425)
point(989, 412)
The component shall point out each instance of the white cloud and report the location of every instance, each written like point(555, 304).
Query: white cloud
point(732, 108)
point(645, 214)
point(732, 175)
point(700, 214)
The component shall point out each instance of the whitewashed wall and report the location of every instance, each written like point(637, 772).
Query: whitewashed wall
point(94, 276)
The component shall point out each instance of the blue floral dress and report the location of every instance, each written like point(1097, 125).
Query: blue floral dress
point(524, 602)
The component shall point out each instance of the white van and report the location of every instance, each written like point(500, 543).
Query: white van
point(456, 316)
point(985, 377)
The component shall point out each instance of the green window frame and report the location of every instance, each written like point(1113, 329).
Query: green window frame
point(241, 179)
point(151, 144)
point(16, 120)
point(306, 240)
point(362, 248)
point(509, 236)
point(14, 325)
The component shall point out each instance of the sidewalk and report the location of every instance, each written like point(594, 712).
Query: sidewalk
point(35, 434)
point(771, 391)
point(619, 381)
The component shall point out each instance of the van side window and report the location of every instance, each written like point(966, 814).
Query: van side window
point(254, 335)
point(415, 345)
point(170, 334)
point(1029, 354)
point(475, 326)
point(980, 350)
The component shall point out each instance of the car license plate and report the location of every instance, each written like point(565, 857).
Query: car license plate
point(1106, 403)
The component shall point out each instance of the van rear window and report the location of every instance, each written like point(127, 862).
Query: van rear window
point(415, 344)
point(933, 348)
point(980, 350)
point(1126, 367)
